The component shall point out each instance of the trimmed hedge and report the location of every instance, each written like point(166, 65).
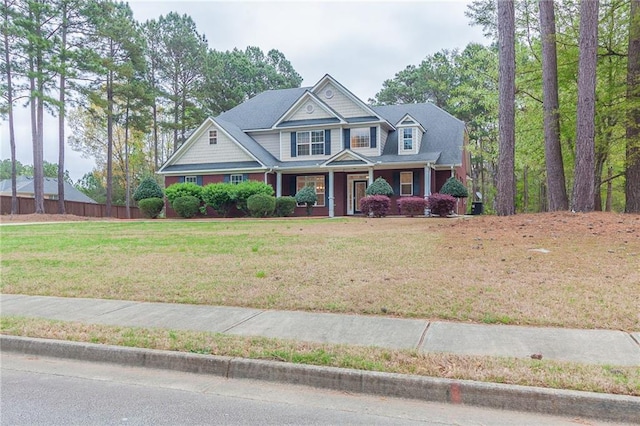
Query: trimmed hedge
point(151, 207)
point(182, 190)
point(219, 196)
point(186, 206)
point(441, 204)
point(454, 188)
point(261, 205)
point(375, 205)
point(148, 188)
point(412, 206)
point(379, 187)
point(242, 191)
point(285, 206)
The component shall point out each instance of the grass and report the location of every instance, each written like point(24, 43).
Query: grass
point(526, 372)
point(483, 270)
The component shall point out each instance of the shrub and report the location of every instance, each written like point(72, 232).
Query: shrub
point(148, 188)
point(219, 196)
point(379, 187)
point(441, 204)
point(244, 190)
point(308, 197)
point(261, 205)
point(151, 207)
point(182, 190)
point(187, 206)
point(454, 188)
point(285, 206)
point(375, 205)
point(412, 206)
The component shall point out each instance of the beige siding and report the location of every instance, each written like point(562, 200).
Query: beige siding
point(270, 142)
point(301, 112)
point(224, 151)
point(384, 134)
point(342, 104)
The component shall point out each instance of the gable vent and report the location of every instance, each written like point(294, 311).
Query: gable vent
point(328, 93)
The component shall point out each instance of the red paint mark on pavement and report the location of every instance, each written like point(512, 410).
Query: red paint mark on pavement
point(455, 393)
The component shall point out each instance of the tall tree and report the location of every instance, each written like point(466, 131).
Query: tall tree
point(557, 190)
point(152, 53)
point(505, 199)
point(584, 184)
point(632, 182)
point(8, 39)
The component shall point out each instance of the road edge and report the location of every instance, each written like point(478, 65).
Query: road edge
point(607, 407)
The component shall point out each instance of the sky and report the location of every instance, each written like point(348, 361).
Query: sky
point(360, 43)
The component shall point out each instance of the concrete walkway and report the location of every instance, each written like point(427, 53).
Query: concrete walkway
point(609, 347)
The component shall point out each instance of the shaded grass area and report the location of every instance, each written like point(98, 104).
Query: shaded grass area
point(526, 372)
point(482, 269)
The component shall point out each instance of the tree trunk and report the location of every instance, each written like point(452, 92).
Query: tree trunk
point(553, 150)
point(12, 134)
point(584, 185)
point(61, 113)
point(109, 143)
point(609, 199)
point(506, 118)
point(632, 183)
point(126, 163)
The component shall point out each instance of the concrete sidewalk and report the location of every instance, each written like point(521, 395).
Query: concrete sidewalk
point(609, 347)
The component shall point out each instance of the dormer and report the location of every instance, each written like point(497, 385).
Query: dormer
point(410, 133)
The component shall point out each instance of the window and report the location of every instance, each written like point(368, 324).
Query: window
point(407, 139)
point(191, 179)
point(310, 143)
point(360, 138)
point(213, 137)
point(236, 179)
point(317, 182)
point(406, 184)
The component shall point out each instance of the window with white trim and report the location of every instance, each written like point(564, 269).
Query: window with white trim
point(310, 142)
point(317, 182)
point(406, 184)
point(213, 137)
point(360, 137)
point(191, 179)
point(236, 179)
point(407, 139)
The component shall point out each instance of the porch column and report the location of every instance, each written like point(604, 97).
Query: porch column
point(370, 175)
point(278, 184)
point(427, 180)
point(331, 196)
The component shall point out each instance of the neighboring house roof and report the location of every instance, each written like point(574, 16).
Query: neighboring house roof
point(24, 185)
point(273, 110)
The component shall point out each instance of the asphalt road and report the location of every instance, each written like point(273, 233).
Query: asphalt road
point(55, 391)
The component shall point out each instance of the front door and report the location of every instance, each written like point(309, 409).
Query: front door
point(359, 188)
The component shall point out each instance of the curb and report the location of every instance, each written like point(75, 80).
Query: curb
point(608, 407)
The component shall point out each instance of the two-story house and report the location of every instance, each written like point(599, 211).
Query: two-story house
point(326, 137)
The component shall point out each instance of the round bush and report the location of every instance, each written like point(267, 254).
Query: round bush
point(285, 206)
point(441, 204)
point(219, 196)
point(181, 190)
point(148, 188)
point(261, 205)
point(379, 187)
point(187, 206)
point(151, 207)
point(454, 188)
point(244, 190)
point(307, 196)
point(412, 206)
point(375, 205)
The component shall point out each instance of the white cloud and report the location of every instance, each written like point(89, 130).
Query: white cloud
point(360, 43)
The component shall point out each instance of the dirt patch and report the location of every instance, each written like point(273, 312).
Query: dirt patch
point(38, 218)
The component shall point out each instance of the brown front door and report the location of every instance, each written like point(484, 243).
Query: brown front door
point(359, 188)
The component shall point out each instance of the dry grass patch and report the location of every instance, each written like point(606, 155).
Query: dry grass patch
point(480, 269)
point(526, 372)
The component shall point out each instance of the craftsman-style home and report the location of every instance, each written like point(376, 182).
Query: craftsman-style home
point(325, 136)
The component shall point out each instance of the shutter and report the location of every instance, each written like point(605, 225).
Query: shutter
point(347, 138)
point(416, 184)
point(373, 140)
point(292, 185)
point(180, 179)
point(326, 191)
point(226, 178)
point(294, 148)
point(396, 183)
point(327, 142)
point(245, 177)
point(199, 180)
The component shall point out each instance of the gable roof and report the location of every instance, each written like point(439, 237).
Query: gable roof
point(306, 96)
point(444, 133)
point(24, 185)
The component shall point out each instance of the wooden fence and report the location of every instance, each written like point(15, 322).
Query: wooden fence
point(28, 206)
